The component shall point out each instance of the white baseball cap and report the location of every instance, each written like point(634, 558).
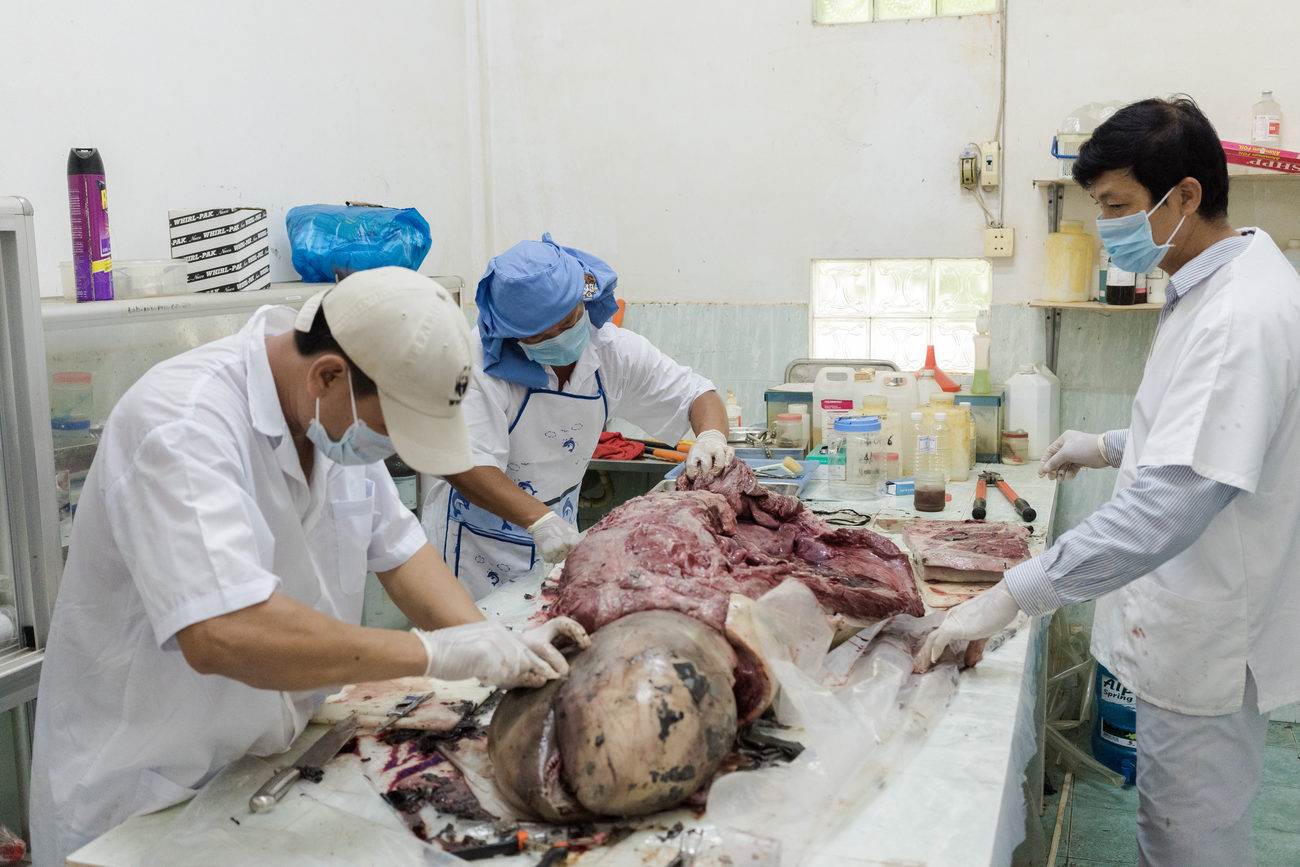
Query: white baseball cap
point(406, 333)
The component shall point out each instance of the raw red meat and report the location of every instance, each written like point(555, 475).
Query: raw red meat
point(689, 550)
point(966, 550)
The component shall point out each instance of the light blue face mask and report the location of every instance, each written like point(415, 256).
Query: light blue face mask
point(564, 348)
point(1129, 242)
point(359, 444)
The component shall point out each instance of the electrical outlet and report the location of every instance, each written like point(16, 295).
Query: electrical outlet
point(999, 242)
point(990, 165)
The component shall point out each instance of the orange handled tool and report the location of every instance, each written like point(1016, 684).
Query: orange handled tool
point(666, 455)
point(979, 510)
point(1022, 507)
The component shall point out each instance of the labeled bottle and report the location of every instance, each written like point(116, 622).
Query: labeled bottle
point(980, 382)
point(407, 481)
point(92, 259)
point(1121, 286)
point(733, 411)
point(1139, 288)
point(1266, 122)
point(1103, 265)
point(856, 466)
point(930, 477)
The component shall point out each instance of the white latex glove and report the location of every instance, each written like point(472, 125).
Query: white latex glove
point(541, 640)
point(553, 536)
point(981, 617)
point(486, 650)
point(1072, 451)
point(709, 455)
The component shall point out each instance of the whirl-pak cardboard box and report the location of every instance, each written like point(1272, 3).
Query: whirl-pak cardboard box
point(228, 249)
point(1261, 157)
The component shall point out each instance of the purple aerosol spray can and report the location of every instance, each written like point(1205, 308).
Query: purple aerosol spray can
point(92, 259)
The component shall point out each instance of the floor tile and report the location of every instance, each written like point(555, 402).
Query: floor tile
point(1093, 794)
point(1283, 734)
point(1276, 848)
point(1281, 770)
point(1278, 809)
point(1103, 835)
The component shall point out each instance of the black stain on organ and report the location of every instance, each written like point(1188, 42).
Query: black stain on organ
point(667, 719)
point(717, 742)
point(696, 683)
point(600, 739)
point(675, 774)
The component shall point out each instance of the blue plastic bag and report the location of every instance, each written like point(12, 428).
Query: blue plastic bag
point(331, 241)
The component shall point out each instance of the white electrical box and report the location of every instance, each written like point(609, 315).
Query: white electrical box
point(990, 165)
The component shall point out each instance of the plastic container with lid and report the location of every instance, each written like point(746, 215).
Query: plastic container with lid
point(926, 387)
point(832, 398)
point(733, 411)
point(790, 431)
point(930, 474)
point(1034, 406)
point(802, 409)
point(1067, 272)
point(1015, 446)
point(72, 400)
point(959, 424)
point(856, 467)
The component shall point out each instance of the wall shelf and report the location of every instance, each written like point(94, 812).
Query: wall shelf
point(1053, 310)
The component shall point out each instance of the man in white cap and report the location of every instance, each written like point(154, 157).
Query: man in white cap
point(553, 370)
point(218, 561)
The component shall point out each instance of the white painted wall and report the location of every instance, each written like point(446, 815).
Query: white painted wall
point(243, 102)
point(710, 150)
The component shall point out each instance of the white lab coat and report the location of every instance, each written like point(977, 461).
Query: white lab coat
point(1219, 394)
point(620, 373)
point(195, 506)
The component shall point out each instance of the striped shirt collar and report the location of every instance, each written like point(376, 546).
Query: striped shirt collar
point(1195, 272)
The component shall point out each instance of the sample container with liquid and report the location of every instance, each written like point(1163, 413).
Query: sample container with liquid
point(856, 462)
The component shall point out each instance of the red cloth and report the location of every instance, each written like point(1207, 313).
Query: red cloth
point(616, 447)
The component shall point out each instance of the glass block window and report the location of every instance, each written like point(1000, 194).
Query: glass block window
point(854, 11)
point(894, 308)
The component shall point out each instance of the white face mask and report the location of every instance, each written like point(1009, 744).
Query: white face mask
point(359, 444)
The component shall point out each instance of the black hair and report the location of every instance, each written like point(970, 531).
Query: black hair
point(320, 339)
point(1161, 141)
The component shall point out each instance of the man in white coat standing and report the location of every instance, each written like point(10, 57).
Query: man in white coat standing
point(551, 369)
point(1193, 561)
point(218, 560)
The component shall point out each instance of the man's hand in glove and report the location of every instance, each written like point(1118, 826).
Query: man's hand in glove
point(1072, 451)
point(542, 640)
point(553, 536)
point(487, 650)
point(709, 455)
point(981, 617)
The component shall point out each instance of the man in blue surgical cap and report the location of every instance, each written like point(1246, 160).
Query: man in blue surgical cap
point(550, 370)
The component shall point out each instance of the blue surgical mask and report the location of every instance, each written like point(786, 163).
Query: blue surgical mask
point(1129, 242)
point(564, 348)
point(359, 444)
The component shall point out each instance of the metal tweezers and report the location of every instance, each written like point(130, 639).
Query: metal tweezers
point(843, 517)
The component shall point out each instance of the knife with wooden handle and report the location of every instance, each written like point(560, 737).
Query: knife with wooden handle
point(307, 765)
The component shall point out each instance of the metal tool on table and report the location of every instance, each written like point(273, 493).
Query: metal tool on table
point(308, 765)
point(404, 708)
point(1019, 503)
point(511, 845)
point(689, 846)
point(555, 855)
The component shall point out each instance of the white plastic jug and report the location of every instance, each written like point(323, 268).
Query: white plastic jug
point(832, 398)
point(1034, 406)
point(899, 389)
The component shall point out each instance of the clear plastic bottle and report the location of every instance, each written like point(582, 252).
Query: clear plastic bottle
point(733, 411)
point(930, 478)
point(925, 386)
point(1266, 122)
point(943, 440)
point(959, 421)
point(913, 427)
point(980, 382)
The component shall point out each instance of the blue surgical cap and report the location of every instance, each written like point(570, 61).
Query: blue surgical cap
point(529, 288)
